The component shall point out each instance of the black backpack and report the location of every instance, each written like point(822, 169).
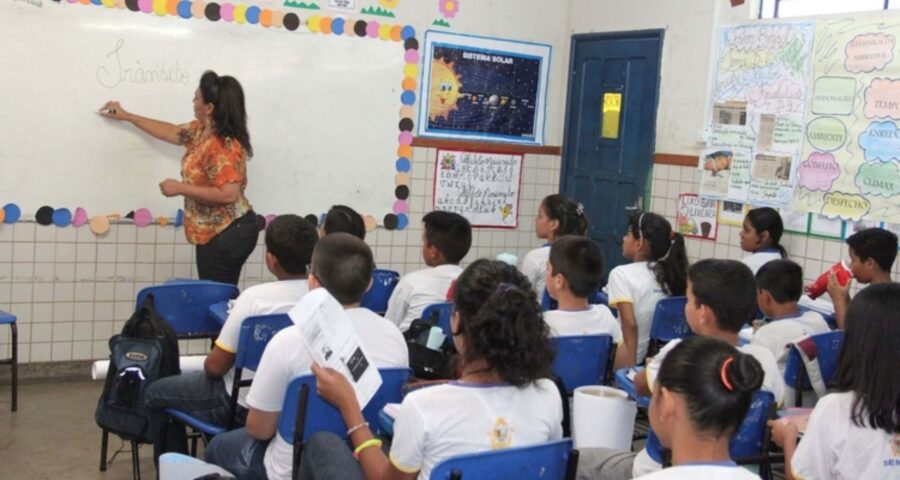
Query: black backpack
point(147, 349)
point(428, 364)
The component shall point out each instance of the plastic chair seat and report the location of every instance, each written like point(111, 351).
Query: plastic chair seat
point(219, 312)
point(554, 460)
point(208, 428)
point(7, 318)
point(440, 313)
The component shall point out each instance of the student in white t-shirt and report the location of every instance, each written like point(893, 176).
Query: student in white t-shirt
point(558, 215)
point(760, 235)
point(574, 271)
point(502, 399)
point(659, 270)
point(342, 264)
point(289, 245)
point(855, 433)
point(445, 242)
point(721, 298)
point(779, 284)
point(703, 392)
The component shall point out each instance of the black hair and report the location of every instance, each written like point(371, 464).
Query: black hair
point(870, 355)
point(568, 212)
point(767, 219)
point(450, 233)
point(229, 114)
point(501, 322)
point(698, 368)
point(875, 243)
point(343, 264)
point(727, 288)
point(667, 251)
point(341, 218)
point(580, 260)
point(783, 279)
point(291, 239)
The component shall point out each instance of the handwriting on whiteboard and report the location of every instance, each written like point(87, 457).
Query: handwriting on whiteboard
point(118, 68)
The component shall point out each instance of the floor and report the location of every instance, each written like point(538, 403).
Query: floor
point(53, 435)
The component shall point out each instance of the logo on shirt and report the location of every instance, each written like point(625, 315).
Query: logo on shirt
point(501, 434)
point(895, 445)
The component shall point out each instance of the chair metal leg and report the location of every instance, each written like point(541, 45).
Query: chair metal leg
point(104, 445)
point(15, 366)
point(135, 461)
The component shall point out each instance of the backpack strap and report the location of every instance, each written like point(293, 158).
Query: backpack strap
point(809, 353)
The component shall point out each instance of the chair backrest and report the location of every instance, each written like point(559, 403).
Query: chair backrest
point(750, 440)
point(185, 305)
point(596, 298)
point(440, 314)
point(383, 284)
point(304, 411)
point(584, 360)
point(255, 335)
point(829, 346)
point(551, 461)
point(669, 321)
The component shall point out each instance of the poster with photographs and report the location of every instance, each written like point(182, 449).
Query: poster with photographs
point(732, 213)
point(697, 216)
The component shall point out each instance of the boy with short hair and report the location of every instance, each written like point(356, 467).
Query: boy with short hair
point(574, 272)
point(872, 253)
point(445, 242)
point(289, 246)
point(779, 284)
point(342, 264)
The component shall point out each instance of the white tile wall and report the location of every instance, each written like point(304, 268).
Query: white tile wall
point(71, 290)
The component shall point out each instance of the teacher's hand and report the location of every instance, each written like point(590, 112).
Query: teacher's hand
point(170, 187)
point(113, 110)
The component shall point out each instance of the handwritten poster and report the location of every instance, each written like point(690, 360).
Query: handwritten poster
point(758, 103)
point(697, 216)
point(481, 186)
point(850, 166)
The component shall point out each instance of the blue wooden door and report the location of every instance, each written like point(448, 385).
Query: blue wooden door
point(610, 129)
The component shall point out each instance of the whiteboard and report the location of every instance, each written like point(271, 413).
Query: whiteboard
point(323, 110)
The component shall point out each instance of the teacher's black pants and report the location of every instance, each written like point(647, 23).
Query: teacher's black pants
point(222, 258)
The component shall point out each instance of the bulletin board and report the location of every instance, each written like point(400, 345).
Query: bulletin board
point(484, 187)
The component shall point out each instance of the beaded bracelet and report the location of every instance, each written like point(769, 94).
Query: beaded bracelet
point(356, 427)
point(372, 442)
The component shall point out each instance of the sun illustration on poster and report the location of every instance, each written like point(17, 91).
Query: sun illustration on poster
point(445, 85)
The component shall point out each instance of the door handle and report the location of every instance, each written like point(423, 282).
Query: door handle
point(638, 204)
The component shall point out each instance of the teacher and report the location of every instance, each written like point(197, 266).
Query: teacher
point(218, 219)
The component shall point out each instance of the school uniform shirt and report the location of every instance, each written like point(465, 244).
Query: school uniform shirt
point(286, 358)
point(706, 471)
point(635, 283)
point(262, 299)
point(438, 422)
point(757, 259)
point(534, 267)
point(834, 448)
point(772, 382)
point(418, 290)
point(594, 320)
point(777, 335)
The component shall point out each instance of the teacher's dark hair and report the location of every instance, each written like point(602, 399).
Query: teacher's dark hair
point(229, 115)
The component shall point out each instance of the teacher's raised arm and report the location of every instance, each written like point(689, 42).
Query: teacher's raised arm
point(218, 218)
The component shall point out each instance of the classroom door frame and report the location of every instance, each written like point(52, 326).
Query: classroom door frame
point(658, 35)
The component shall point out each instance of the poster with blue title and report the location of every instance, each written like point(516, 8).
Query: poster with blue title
point(481, 88)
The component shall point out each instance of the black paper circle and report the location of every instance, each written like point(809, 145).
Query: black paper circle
point(401, 192)
point(391, 221)
point(44, 215)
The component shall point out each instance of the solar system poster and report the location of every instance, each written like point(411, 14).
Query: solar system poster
point(483, 89)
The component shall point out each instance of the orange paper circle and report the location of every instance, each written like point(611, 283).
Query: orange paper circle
point(325, 25)
point(409, 83)
point(278, 18)
point(401, 179)
point(407, 111)
point(163, 221)
point(404, 151)
point(172, 7)
point(198, 9)
point(371, 223)
point(2, 215)
point(121, 4)
point(99, 225)
point(265, 18)
point(396, 33)
point(313, 23)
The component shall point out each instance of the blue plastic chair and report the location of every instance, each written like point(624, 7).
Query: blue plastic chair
point(627, 384)
point(584, 360)
point(7, 318)
point(829, 347)
point(219, 312)
point(596, 298)
point(829, 317)
point(668, 324)
point(440, 314)
point(304, 413)
point(256, 332)
point(383, 284)
point(185, 305)
point(554, 460)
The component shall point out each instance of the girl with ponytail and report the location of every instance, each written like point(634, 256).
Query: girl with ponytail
point(558, 215)
point(761, 236)
point(502, 399)
point(659, 270)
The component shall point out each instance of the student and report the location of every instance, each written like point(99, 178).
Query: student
point(779, 284)
point(659, 269)
point(342, 264)
point(872, 253)
point(502, 399)
point(341, 218)
point(445, 243)
point(289, 246)
point(721, 298)
point(855, 433)
point(760, 236)
point(558, 215)
point(574, 271)
point(704, 390)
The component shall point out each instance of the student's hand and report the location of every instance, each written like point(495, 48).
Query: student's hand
point(837, 291)
point(335, 388)
point(783, 431)
point(170, 187)
point(113, 110)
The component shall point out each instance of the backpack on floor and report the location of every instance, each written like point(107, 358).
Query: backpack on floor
point(147, 349)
